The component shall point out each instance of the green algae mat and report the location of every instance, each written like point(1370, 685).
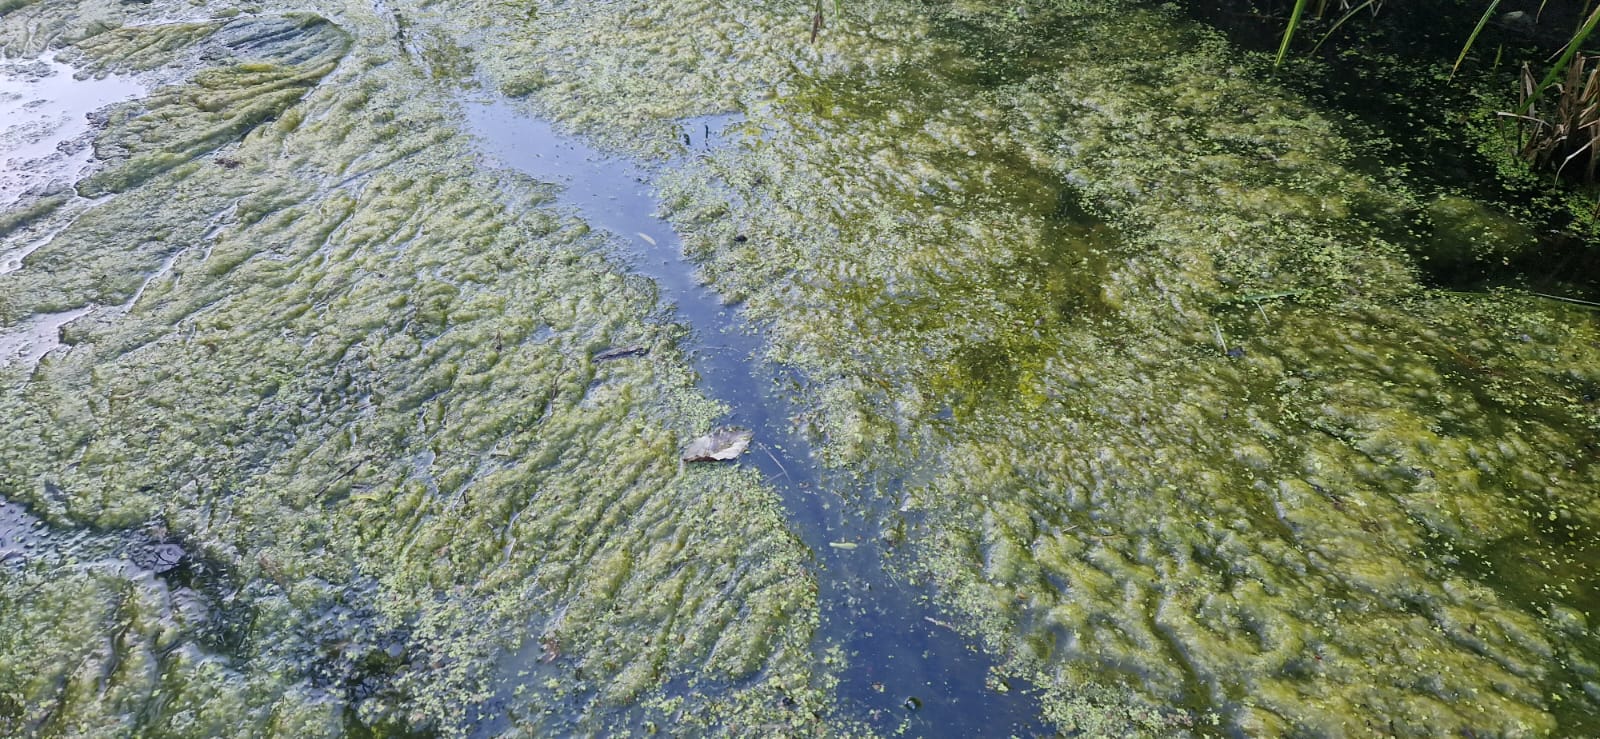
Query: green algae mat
point(1095, 385)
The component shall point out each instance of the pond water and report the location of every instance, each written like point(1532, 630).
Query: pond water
point(25, 345)
point(46, 107)
point(909, 669)
point(44, 122)
point(1096, 383)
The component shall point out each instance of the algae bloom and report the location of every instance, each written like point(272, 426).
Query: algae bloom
point(1067, 373)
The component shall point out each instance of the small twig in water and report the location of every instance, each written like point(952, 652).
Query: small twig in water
point(774, 458)
point(937, 622)
point(1564, 299)
point(348, 472)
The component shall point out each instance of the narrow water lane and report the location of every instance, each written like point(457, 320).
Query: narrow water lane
point(907, 667)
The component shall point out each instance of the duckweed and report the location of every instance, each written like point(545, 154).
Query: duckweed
point(1188, 438)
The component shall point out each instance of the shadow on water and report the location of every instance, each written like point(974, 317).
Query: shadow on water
point(1382, 73)
point(908, 670)
point(184, 575)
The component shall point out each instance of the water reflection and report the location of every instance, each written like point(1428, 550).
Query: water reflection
point(45, 121)
point(26, 344)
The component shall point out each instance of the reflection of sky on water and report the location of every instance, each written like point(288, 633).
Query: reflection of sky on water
point(44, 116)
point(28, 343)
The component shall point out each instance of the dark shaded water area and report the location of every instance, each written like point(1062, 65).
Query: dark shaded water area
point(907, 668)
point(137, 555)
point(24, 537)
point(1378, 65)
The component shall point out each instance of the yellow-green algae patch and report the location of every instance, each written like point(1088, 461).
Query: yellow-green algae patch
point(1185, 436)
point(624, 72)
point(274, 62)
point(359, 387)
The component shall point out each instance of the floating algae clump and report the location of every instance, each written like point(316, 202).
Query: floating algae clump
point(1182, 433)
point(274, 62)
point(354, 378)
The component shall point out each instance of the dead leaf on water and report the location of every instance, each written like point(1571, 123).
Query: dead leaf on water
point(722, 444)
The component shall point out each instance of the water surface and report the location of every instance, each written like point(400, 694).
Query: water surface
point(907, 664)
point(44, 118)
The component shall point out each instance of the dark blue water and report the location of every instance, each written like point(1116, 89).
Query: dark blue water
point(906, 668)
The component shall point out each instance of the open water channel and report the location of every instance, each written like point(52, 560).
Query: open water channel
point(915, 671)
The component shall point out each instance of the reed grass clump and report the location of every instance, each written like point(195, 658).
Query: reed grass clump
point(1557, 119)
point(1563, 134)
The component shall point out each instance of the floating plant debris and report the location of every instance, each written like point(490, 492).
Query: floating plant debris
point(719, 446)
